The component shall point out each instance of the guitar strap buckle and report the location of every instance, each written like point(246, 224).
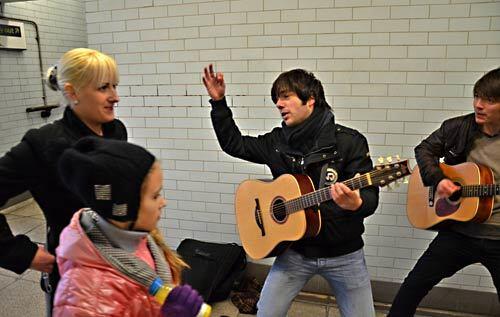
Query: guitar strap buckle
point(431, 196)
point(329, 175)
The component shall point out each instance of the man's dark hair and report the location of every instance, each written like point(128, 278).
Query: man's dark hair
point(488, 86)
point(301, 82)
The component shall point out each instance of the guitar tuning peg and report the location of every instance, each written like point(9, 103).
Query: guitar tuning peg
point(389, 159)
point(380, 160)
point(398, 158)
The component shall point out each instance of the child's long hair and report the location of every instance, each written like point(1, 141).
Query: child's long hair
point(175, 262)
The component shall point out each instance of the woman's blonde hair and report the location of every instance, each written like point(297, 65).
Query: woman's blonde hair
point(81, 67)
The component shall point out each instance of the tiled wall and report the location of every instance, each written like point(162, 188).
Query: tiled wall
point(393, 69)
point(62, 26)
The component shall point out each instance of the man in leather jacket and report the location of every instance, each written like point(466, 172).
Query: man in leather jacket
point(473, 138)
point(308, 142)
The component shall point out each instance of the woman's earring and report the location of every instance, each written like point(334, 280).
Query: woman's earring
point(75, 102)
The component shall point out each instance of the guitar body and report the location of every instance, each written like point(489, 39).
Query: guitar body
point(426, 211)
point(265, 228)
point(271, 215)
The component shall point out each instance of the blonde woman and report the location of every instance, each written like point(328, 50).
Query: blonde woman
point(87, 80)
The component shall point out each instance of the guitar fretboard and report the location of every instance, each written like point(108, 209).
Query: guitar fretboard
point(378, 177)
point(480, 190)
point(324, 194)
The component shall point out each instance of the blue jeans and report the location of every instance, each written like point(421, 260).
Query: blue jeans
point(347, 275)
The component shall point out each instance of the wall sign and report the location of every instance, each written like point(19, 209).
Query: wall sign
point(12, 35)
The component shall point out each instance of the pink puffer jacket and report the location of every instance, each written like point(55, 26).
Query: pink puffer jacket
point(89, 286)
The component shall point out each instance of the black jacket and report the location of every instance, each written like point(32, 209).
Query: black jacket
point(453, 141)
point(32, 165)
point(343, 148)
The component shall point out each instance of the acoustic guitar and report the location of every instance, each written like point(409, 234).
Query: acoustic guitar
point(473, 202)
point(271, 215)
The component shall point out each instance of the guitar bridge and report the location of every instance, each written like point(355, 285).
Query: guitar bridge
point(258, 217)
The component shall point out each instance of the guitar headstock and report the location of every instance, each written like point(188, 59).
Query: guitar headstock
point(384, 174)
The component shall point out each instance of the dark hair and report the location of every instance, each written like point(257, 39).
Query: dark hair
point(301, 82)
point(488, 86)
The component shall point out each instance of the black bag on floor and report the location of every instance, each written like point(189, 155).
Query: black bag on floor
point(214, 267)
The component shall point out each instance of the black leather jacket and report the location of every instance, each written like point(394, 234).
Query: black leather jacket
point(343, 148)
point(453, 141)
point(32, 165)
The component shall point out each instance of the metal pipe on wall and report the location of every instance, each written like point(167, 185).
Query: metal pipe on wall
point(45, 109)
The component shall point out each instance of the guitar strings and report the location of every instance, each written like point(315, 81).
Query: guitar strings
point(478, 190)
point(280, 209)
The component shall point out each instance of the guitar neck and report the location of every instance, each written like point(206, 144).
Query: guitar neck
point(324, 194)
point(380, 176)
point(480, 190)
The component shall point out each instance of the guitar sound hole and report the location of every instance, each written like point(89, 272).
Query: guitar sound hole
point(448, 206)
point(456, 195)
point(278, 210)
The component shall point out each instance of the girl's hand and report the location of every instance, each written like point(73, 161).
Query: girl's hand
point(182, 301)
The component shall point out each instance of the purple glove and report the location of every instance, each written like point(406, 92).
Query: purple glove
point(182, 301)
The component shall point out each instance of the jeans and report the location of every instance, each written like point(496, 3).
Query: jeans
point(448, 253)
point(347, 275)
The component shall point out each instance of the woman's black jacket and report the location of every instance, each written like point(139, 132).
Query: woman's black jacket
point(32, 165)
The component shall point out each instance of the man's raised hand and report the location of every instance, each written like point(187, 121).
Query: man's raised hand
point(214, 83)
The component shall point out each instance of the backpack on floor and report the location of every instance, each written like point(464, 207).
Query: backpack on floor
point(214, 267)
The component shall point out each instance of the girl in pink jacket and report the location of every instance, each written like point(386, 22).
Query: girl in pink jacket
point(111, 257)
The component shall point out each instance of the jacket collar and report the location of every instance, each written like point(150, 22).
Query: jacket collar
point(125, 239)
point(71, 119)
point(328, 135)
point(326, 139)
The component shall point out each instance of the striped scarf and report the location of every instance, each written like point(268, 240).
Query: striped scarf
point(128, 263)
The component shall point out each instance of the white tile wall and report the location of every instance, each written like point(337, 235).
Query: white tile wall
point(394, 69)
point(62, 26)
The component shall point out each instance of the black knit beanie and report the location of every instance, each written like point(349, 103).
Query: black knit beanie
point(107, 175)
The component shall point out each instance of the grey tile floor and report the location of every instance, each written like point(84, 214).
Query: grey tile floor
point(20, 295)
